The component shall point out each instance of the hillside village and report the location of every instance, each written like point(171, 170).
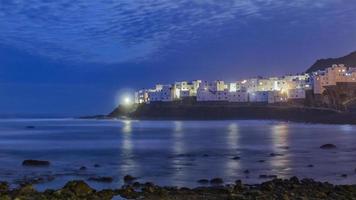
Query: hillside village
point(290, 88)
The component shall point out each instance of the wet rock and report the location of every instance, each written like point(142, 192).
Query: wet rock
point(261, 161)
point(4, 187)
point(294, 180)
point(35, 163)
point(128, 192)
point(83, 168)
point(344, 175)
point(246, 171)
point(216, 181)
point(96, 165)
point(328, 146)
point(206, 155)
point(203, 181)
point(136, 185)
point(106, 194)
point(79, 188)
point(310, 166)
point(30, 127)
point(102, 179)
point(236, 158)
point(263, 176)
point(129, 178)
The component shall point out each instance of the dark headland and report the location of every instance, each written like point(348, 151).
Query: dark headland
point(182, 111)
point(328, 108)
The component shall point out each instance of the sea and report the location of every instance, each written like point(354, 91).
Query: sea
point(174, 153)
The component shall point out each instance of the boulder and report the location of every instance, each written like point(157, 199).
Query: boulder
point(217, 181)
point(328, 146)
point(4, 187)
point(236, 158)
point(129, 178)
point(79, 188)
point(102, 179)
point(35, 163)
point(82, 168)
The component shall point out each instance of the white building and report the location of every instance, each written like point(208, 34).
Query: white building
point(162, 93)
point(276, 97)
point(258, 97)
point(331, 76)
point(238, 96)
point(296, 93)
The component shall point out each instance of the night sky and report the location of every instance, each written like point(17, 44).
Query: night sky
point(76, 57)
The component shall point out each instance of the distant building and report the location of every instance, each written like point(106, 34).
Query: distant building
point(162, 93)
point(332, 75)
point(268, 90)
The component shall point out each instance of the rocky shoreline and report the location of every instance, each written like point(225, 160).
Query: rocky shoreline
point(292, 188)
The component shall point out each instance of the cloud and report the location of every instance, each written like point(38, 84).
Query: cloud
point(113, 31)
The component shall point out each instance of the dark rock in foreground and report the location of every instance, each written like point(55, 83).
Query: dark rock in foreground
point(328, 146)
point(129, 178)
point(102, 179)
point(216, 181)
point(35, 163)
point(275, 189)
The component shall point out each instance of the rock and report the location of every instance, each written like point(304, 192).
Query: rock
point(310, 166)
point(236, 158)
point(30, 127)
point(328, 146)
point(263, 176)
point(343, 175)
point(216, 181)
point(79, 188)
point(206, 155)
point(96, 165)
point(4, 187)
point(246, 171)
point(294, 180)
point(128, 193)
point(35, 163)
point(272, 176)
point(261, 161)
point(268, 176)
point(129, 178)
point(102, 179)
point(203, 181)
point(82, 168)
point(136, 185)
point(106, 194)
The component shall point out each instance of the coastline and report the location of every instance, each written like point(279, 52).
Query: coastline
point(292, 188)
point(170, 111)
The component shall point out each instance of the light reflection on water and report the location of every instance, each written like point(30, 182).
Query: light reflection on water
point(177, 152)
point(127, 155)
point(232, 142)
point(280, 161)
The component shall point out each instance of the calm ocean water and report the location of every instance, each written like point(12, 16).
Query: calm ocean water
point(175, 153)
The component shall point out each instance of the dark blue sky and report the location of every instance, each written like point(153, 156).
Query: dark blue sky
point(76, 57)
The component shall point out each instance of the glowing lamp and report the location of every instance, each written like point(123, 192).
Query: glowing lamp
point(127, 101)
